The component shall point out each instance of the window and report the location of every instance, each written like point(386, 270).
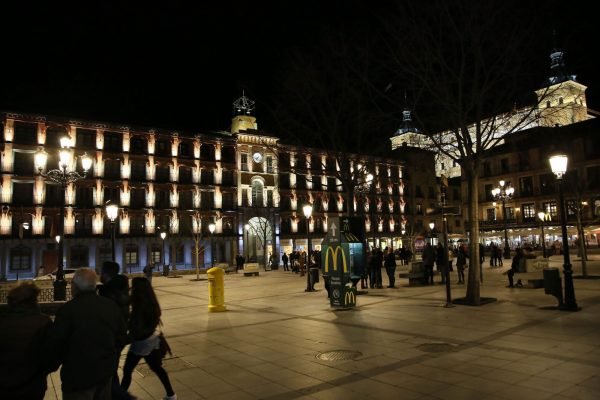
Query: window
point(138, 197)
point(185, 175)
point(524, 163)
point(138, 171)
point(184, 150)
point(138, 145)
point(86, 139)
point(25, 133)
point(510, 213)
point(526, 186)
point(104, 254)
point(156, 254)
point(163, 148)
point(331, 184)
point(550, 208)
point(83, 224)
point(207, 200)
point(244, 158)
point(23, 194)
point(491, 214)
point(269, 198)
point(112, 142)
point(419, 207)
point(131, 255)
point(79, 256)
point(228, 201)
point(316, 182)
point(20, 258)
point(23, 164)
point(244, 197)
point(186, 199)
point(112, 169)
point(112, 194)
point(528, 211)
point(593, 177)
point(571, 208)
point(84, 198)
point(269, 164)
point(257, 193)
point(162, 173)
point(207, 177)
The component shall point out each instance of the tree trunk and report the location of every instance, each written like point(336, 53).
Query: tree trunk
point(473, 295)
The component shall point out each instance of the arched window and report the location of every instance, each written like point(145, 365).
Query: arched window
point(20, 258)
point(257, 193)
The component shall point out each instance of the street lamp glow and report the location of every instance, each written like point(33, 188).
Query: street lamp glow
point(64, 158)
point(65, 142)
point(247, 227)
point(431, 225)
point(542, 216)
point(307, 210)
point(86, 162)
point(163, 235)
point(40, 159)
point(57, 238)
point(112, 211)
point(558, 164)
point(211, 227)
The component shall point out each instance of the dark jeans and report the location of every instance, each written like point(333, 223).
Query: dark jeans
point(99, 392)
point(461, 274)
point(390, 273)
point(429, 274)
point(510, 274)
point(154, 361)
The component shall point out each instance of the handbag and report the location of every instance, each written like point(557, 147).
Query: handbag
point(163, 346)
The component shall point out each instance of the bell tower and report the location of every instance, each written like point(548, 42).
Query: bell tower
point(242, 119)
point(562, 101)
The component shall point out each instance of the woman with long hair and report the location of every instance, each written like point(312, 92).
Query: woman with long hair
point(143, 323)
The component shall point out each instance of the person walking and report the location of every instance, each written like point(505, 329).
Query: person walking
point(461, 263)
point(390, 267)
point(24, 364)
point(428, 260)
point(89, 332)
point(115, 287)
point(143, 326)
point(440, 261)
point(285, 259)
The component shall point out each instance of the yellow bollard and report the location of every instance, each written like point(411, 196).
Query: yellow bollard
point(216, 290)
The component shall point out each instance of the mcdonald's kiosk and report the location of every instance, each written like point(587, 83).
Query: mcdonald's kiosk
point(343, 259)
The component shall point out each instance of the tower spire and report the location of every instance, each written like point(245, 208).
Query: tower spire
point(557, 64)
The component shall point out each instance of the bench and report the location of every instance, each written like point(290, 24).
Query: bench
point(251, 269)
point(226, 267)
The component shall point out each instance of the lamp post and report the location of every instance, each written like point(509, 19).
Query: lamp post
point(163, 236)
point(504, 192)
point(64, 176)
point(247, 245)
point(543, 217)
point(307, 210)
point(558, 164)
point(431, 226)
point(211, 228)
point(112, 211)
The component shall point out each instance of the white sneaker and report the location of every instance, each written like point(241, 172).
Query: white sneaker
point(174, 397)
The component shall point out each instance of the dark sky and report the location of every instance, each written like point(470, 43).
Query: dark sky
point(180, 67)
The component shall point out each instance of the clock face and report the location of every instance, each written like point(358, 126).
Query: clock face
point(257, 157)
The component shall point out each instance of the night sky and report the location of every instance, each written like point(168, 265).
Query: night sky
point(178, 66)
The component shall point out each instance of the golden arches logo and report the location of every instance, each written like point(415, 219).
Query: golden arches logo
point(350, 297)
point(334, 254)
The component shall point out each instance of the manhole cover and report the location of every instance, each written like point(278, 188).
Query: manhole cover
point(339, 355)
point(436, 347)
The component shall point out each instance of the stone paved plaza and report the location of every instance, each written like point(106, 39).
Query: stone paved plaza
point(267, 345)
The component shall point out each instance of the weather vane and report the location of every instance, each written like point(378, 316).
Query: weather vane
point(243, 104)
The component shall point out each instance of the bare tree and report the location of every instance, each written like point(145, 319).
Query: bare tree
point(261, 228)
point(463, 62)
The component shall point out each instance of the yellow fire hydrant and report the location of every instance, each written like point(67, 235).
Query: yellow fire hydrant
point(216, 290)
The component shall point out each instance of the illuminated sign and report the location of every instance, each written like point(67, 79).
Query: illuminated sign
point(334, 254)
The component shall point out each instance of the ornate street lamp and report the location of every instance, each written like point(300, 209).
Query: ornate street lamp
point(543, 217)
point(504, 192)
point(307, 210)
point(431, 226)
point(558, 164)
point(211, 228)
point(112, 211)
point(163, 236)
point(247, 245)
point(64, 175)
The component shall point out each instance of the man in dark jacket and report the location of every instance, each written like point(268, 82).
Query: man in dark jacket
point(89, 332)
point(24, 361)
point(428, 260)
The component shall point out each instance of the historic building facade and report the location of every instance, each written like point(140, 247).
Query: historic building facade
point(247, 183)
